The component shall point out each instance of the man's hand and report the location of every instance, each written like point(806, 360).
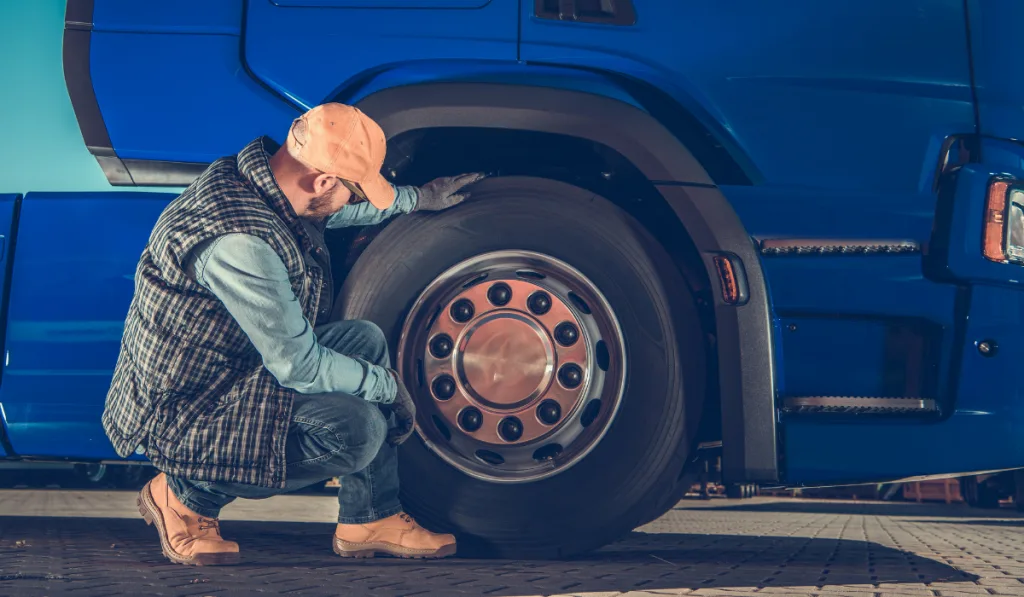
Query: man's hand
point(442, 193)
point(405, 414)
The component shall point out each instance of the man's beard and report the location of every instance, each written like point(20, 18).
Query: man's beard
point(320, 206)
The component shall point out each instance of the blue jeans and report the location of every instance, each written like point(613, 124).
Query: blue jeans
point(331, 435)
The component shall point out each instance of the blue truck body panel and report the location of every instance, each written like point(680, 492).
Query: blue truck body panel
point(999, 88)
point(982, 432)
point(64, 328)
point(786, 80)
point(196, 64)
point(835, 137)
point(370, 39)
point(186, 16)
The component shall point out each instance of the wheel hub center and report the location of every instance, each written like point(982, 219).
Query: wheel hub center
point(505, 360)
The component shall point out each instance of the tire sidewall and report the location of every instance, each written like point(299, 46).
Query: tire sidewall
point(614, 486)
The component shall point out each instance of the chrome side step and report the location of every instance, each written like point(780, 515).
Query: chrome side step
point(859, 404)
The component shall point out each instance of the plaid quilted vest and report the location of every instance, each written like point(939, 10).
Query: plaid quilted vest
point(189, 388)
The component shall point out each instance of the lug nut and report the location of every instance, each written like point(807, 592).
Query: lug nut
point(549, 412)
point(510, 429)
point(441, 346)
point(499, 294)
point(444, 387)
point(470, 419)
point(539, 303)
point(462, 311)
point(570, 375)
point(566, 334)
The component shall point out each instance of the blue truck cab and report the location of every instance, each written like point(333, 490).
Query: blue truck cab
point(792, 229)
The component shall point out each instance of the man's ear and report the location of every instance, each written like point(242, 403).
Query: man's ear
point(323, 183)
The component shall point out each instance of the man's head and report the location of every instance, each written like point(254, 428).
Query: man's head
point(332, 158)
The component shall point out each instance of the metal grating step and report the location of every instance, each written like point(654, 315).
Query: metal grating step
point(829, 246)
point(859, 404)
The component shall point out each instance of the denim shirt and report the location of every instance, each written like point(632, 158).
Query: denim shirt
point(252, 282)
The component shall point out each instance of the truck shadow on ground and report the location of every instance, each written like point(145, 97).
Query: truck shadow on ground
point(123, 556)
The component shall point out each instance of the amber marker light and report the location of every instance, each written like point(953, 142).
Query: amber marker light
point(730, 284)
point(994, 245)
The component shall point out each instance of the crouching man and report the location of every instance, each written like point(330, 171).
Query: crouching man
point(230, 377)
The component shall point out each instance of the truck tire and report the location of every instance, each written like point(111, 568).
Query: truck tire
point(639, 383)
point(978, 493)
point(738, 491)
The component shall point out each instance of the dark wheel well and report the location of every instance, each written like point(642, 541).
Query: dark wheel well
point(417, 156)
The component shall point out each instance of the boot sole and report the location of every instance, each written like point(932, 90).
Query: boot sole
point(372, 550)
point(150, 513)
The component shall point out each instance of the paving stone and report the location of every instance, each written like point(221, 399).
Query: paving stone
point(92, 543)
point(996, 581)
point(961, 589)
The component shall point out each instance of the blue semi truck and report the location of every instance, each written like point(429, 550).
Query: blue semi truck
point(789, 228)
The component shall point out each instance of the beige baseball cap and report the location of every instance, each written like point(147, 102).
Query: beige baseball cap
point(342, 141)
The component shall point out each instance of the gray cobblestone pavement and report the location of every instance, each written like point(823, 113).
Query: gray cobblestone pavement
point(727, 548)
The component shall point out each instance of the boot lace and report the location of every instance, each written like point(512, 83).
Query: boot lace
point(206, 524)
point(406, 517)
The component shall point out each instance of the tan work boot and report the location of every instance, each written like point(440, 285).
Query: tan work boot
point(185, 537)
point(397, 535)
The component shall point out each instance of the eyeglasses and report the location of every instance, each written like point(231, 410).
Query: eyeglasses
point(358, 196)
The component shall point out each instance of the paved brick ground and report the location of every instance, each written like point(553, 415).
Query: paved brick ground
point(754, 547)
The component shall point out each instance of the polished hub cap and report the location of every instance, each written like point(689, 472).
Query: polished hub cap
point(505, 362)
point(505, 348)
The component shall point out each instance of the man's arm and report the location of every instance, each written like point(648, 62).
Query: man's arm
point(364, 214)
point(439, 194)
point(252, 282)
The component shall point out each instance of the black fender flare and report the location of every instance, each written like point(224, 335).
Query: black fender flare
point(744, 331)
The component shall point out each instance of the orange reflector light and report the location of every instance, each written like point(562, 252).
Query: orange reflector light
point(730, 284)
point(994, 244)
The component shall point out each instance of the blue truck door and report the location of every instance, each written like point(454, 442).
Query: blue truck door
point(289, 44)
point(72, 281)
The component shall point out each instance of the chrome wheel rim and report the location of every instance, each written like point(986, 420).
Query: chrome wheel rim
point(516, 362)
